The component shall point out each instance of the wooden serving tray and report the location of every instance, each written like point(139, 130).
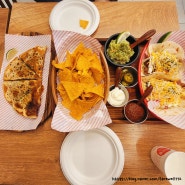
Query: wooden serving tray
point(49, 104)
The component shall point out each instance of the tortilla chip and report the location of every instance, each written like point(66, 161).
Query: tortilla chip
point(65, 74)
point(84, 23)
point(82, 64)
point(96, 63)
point(86, 96)
point(69, 62)
point(97, 76)
point(66, 102)
point(80, 107)
point(73, 89)
point(79, 49)
point(80, 81)
point(98, 90)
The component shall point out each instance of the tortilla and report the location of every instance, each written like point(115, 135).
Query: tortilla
point(169, 46)
point(24, 96)
point(165, 60)
point(18, 70)
point(163, 69)
point(34, 58)
point(22, 85)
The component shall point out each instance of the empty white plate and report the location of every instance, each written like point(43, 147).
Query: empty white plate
point(66, 16)
point(92, 157)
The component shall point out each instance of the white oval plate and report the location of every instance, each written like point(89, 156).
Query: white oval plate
point(66, 16)
point(92, 157)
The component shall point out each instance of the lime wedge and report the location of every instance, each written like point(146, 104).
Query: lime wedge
point(122, 36)
point(11, 54)
point(164, 37)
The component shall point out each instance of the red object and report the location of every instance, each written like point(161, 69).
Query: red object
point(142, 57)
point(162, 151)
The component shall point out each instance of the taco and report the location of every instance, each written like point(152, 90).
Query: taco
point(164, 70)
point(169, 46)
point(164, 59)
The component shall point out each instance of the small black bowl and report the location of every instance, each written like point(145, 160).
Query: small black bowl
point(130, 39)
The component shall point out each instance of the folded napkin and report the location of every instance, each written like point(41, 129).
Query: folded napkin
point(98, 116)
point(9, 118)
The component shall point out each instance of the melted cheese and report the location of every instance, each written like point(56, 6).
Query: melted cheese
point(164, 62)
point(167, 93)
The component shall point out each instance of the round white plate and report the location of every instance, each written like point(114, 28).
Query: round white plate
point(92, 157)
point(67, 14)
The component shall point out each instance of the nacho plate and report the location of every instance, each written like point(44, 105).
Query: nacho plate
point(81, 82)
point(106, 79)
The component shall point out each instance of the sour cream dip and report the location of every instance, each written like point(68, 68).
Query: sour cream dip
point(116, 97)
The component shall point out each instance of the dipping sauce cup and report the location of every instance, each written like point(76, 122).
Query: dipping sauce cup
point(134, 112)
point(118, 96)
point(129, 76)
point(131, 39)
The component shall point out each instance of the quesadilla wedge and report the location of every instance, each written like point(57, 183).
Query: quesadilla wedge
point(24, 96)
point(34, 58)
point(22, 85)
point(18, 70)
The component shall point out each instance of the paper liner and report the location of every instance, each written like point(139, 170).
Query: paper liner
point(174, 116)
point(9, 118)
point(98, 116)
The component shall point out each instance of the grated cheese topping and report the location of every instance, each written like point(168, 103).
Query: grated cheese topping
point(164, 62)
point(167, 93)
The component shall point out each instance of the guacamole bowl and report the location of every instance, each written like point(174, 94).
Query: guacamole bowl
point(122, 57)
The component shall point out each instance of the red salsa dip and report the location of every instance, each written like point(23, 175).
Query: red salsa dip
point(135, 112)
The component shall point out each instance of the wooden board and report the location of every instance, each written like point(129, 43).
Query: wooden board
point(4, 13)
